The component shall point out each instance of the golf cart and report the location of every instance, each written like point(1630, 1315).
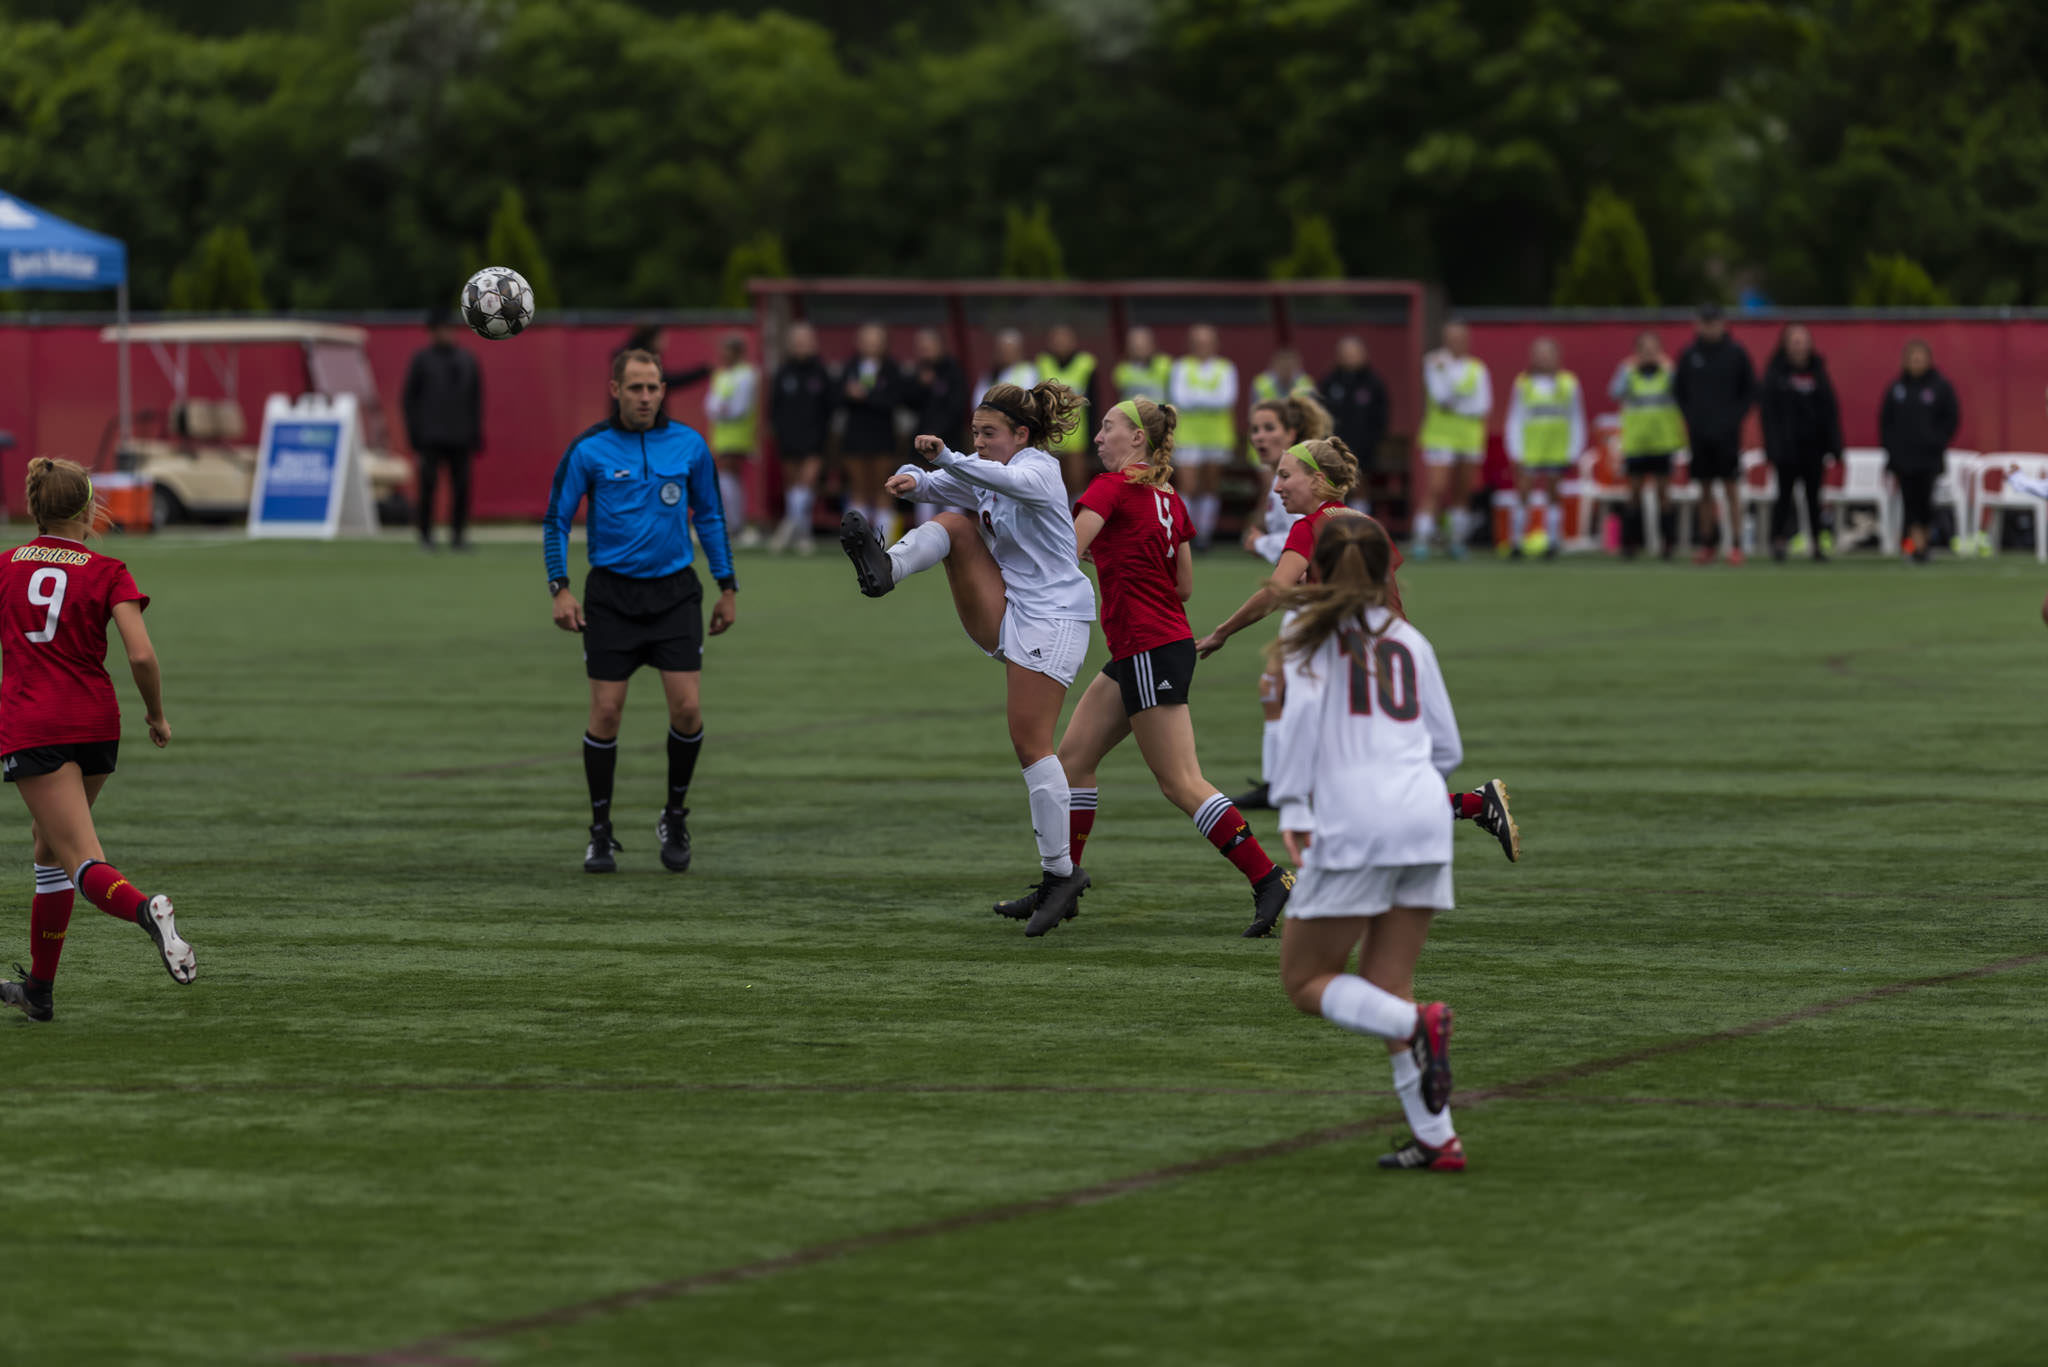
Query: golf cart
point(201, 458)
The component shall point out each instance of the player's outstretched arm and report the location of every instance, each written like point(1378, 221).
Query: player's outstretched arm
point(149, 676)
point(1288, 572)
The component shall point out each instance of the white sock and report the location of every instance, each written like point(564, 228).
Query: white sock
point(1046, 782)
point(799, 513)
point(732, 492)
point(1461, 526)
point(1358, 1006)
point(922, 547)
point(1425, 527)
point(1433, 1130)
point(1553, 523)
point(1518, 515)
point(52, 878)
point(1269, 750)
point(1206, 507)
point(1539, 504)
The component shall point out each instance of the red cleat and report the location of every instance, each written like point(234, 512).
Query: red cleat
point(1704, 555)
point(1735, 556)
point(1417, 1156)
point(1431, 1049)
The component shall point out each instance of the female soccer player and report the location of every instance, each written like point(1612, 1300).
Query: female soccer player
point(1137, 530)
point(60, 727)
point(1017, 584)
point(1312, 479)
point(1366, 743)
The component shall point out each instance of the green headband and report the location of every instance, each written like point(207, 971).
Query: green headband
point(1129, 408)
point(1300, 452)
point(85, 514)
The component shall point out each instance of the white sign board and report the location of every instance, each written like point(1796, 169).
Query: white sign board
point(311, 480)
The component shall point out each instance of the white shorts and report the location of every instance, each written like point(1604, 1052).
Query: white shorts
point(1192, 456)
point(1052, 646)
point(1437, 460)
point(1368, 892)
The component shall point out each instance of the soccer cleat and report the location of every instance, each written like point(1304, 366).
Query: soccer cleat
point(1269, 899)
point(1059, 899)
point(1495, 819)
point(1419, 1157)
point(597, 855)
point(161, 926)
point(1431, 1050)
point(673, 831)
point(1020, 908)
point(1735, 556)
point(863, 546)
point(1705, 555)
point(28, 996)
point(1258, 798)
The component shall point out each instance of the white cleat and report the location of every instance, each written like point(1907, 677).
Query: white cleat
point(159, 924)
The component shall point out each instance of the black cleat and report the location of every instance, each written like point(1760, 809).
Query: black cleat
point(1258, 799)
point(1059, 899)
point(1020, 908)
point(674, 832)
point(597, 856)
point(1431, 1050)
point(1495, 819)
point(1269, 898)
point(1417, 1156)
point(863, 546)
point(28, 995)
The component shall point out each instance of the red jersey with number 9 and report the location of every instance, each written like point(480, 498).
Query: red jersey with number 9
point(56, 598)
point(1137, 562)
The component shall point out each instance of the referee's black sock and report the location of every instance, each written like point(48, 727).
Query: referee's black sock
point(682, 762)
point(600, 762)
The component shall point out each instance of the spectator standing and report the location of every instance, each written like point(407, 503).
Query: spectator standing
point(1715, 385)
point(1651, 434)
point(1545, 431)
point(732, 407)
point(1065, 362)
point(1283, 378)
point(1011, 366)
point(937, 391)
point(1917, 421)
point(1357, 399)
point(647, 337)
point(444, 425)
point(1144, 372)
point(1802, 431)
point(1203, 388)
point(1458, 391)
point(800, 413)
point(870, 392)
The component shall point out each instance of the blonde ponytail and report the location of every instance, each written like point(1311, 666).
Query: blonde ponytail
point(59, 491)
point(1157, 421)
point(1353, 559)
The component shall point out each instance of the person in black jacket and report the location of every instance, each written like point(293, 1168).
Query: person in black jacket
point(1916, 422)
point(647, 337)
point(936, 391)
point(1802, 431)
point(1357, 399)
point(1715, 385)
point(870, 392)
point(444, 404)
point(800, 406)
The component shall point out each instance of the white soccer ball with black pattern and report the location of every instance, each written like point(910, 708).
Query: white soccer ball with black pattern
point(497, 303)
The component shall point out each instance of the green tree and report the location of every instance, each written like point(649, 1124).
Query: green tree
point(754, 258)
point(1031, 249)
point(1610, 265)
point(1314, 254)
point(220, 276)
point(512, 242)
point(1894, 280)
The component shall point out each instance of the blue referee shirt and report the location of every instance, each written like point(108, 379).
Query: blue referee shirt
point(644, 488)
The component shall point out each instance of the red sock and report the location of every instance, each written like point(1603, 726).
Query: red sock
point(1080, 819)
point(1226, 829)
point(106, 889)
point(1467, 806)
point(49, 915)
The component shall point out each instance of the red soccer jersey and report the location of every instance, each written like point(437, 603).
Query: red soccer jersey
point(56, 598)
point(1301, 539)
point(1137, 559)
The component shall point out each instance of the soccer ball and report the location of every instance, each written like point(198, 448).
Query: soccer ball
point(497, 303)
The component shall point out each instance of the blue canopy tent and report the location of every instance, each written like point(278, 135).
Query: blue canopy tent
point(40, 251)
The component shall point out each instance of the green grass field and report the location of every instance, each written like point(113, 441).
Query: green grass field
point(1751, 1045)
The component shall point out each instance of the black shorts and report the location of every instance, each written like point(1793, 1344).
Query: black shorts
point(1639, 466)
point(630, 622)
point(91, 757)
point(1716, 458)
point(1155, 677)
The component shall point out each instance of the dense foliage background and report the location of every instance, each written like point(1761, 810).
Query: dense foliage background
point(1569, 151)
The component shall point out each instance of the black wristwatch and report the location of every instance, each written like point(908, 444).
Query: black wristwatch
point(730, 584)
point(555, 586)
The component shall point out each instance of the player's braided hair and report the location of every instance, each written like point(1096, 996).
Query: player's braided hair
point(1157, 421)
point(1047, 411)
point(59, 491)
point(1334, 464)
point(1354, 559)
point(1301, 414)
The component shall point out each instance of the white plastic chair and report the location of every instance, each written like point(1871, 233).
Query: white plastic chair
point(1759, 485)
point(1992, 495)
point(1596, 497)
point(1865, 484)
point(1956, 490)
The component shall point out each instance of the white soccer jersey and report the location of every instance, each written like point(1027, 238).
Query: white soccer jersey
point(1361, 765)
point(1271, 542)
point(1021, 509)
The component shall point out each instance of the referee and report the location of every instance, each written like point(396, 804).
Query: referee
point(648, 480)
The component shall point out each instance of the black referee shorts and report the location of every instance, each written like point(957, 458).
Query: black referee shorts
point(1156, 677)
point(631, 622)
